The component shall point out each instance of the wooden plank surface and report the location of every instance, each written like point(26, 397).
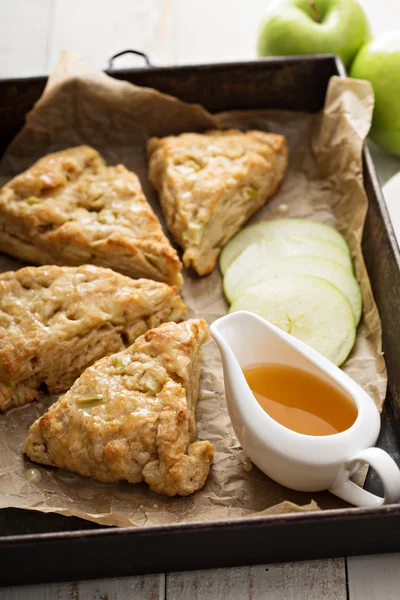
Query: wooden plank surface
point(386, 165)
point(24, 33)
point(97, 30)
point(311, 580)
point(212, 31)
point(32, 34)
point(375, 577)
point(147, 587)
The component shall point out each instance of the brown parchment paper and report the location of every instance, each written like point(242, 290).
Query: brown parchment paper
point(324, 181)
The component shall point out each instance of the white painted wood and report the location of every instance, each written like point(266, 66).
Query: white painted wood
point(386, 165)
point(224, 30)
point(375, 577)
point(382, 14)
point(217, 30)
point(147, 587)
point(24, 30)
point(33, 32)
point(312, 580)
point(97, 29)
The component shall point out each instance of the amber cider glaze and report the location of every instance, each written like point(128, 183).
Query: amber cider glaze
point(300, 400)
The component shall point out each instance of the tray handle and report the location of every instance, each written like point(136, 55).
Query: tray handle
point(123, 52)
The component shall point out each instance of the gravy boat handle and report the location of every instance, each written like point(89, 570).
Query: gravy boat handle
point(384, 466)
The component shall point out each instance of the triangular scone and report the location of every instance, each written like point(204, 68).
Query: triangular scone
point(70, 209)
point(56, 321)
point(210, 184)
point(131, 416)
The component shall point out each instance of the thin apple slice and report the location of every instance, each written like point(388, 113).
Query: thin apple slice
point(332, 271)
point(262, 253)
point(277, 228)
point(309, 308)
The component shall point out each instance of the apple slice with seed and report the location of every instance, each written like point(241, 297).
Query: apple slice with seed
point(332, 271)
point(309, 308)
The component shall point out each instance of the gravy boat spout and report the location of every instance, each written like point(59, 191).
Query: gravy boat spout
point(245, 339)
point(298, 461)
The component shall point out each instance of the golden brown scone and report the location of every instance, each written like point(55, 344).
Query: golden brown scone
point(210, 184)
point(56, 321)
point(131, 415)
point(70, 209)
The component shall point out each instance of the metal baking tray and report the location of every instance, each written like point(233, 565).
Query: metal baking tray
point(48, 547)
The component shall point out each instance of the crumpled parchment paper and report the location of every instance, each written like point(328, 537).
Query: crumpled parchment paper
point(324, 182)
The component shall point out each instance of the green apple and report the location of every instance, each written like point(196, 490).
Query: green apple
point(313, 26)
point(379, 62)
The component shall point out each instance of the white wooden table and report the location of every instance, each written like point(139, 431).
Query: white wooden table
point(32, 34)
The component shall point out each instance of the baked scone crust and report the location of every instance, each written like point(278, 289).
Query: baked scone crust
point(131, 416)
point(210, 184)
point(56, 321)
point(69, 208)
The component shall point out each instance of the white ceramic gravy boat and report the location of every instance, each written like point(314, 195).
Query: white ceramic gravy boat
point(302, 462)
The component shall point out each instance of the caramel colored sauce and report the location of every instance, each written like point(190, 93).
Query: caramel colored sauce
point(301, 401)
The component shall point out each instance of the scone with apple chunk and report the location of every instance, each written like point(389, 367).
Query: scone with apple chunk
point(69, 209)
point(131, 416)
point(56, 321)
point(210, 184)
